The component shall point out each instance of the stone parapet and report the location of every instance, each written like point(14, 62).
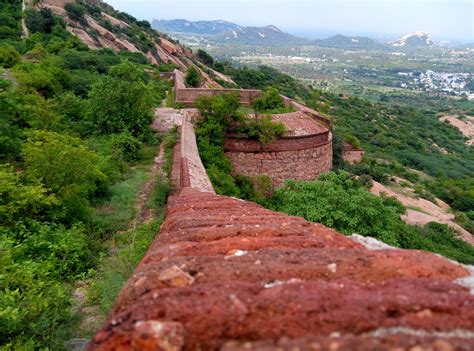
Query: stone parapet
point(226, 274)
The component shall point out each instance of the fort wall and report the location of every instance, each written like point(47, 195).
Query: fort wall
point(298, 158)
point(226, 274)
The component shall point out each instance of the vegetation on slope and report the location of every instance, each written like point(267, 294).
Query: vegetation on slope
point(60, 160)
point(340, 201)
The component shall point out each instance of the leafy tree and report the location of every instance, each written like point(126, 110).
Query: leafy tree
point(75, 11)
point(66, 167)
point(121, 102)
point(205, 58)
point(270, 100)
point(9, 56)
point(41, 21)
point(193, 78)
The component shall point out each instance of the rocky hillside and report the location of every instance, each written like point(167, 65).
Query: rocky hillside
point(418, 39)
point(99, 26)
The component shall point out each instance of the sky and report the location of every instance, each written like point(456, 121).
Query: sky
point(444, 19)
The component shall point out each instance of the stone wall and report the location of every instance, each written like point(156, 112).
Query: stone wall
point(353, 156)
point(226, 274)
point(188, 96)
point(192, 172)
point(303, 158)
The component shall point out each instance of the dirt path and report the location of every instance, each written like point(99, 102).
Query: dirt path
point(25, 32)
point(146, 214)
point(92, 316)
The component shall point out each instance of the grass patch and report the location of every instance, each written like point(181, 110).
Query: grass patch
point(116, 214)
point(169, 143)
point(170, 99)
point(130, 247)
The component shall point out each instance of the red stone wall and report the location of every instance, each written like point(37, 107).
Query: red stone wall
point(296, 158)
point(226, 274)
point(189, 95)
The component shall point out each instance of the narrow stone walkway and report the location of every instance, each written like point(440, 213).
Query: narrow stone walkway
point(166, 118)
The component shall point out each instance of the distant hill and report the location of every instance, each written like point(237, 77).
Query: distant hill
point(414, 40)
point(466, 46)
point(269, 35)
point(200, 27)
point(345, 42)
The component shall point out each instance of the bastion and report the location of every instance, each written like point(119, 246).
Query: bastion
point(303, 153)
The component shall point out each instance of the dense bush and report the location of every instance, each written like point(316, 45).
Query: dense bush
point(9, 56)
point(265, 77)
point(121, 101)
point(193, 78)
point(127, 146)
point(66, 167)
point(341, 202)
point(75, 11)
point(42, 21)
point(205, 58)
point(10, 16)
point(270, 100)
point(263, 129)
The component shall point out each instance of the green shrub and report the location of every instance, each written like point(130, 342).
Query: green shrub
point(193, 79)
point(66, 167)
point(205, 58)
point(42, 21)
point(270, 100)
point(121, 101)
point(263, 129)
point(75, 11)
point(9, 56)
point(128, 146)
point(340, 202)
point(20, 202)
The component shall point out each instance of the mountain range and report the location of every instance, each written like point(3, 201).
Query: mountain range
point(199, 27)
point(223, 32)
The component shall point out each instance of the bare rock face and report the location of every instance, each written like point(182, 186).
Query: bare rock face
point(231, 275)
point(165, 50)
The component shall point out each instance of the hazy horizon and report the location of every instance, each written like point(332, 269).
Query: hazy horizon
point(444, 19)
